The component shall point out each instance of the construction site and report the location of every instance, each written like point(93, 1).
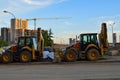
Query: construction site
point(37, 44)
point(91, 51)
point(28, 50)
point(29, 45)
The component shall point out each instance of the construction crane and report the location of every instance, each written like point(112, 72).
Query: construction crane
point(56, 18)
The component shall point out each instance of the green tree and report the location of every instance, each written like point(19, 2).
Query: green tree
point(45, 36)
point(48, 35)
point(3, 43)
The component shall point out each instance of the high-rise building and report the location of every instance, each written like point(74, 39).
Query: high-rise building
point(5, 34)
point(18, 26)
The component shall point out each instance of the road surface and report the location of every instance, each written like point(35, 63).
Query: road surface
point(63, 71)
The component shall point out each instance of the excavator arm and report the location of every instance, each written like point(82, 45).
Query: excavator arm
point(103, 38)
point(40, 41)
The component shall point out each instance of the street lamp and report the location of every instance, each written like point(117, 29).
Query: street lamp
point(13, 31)
point(9, 13)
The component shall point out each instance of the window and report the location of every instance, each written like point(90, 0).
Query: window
point(35, 43)
point(93, 38)
point(28, 41)
point(21, 42)
point(85, 38)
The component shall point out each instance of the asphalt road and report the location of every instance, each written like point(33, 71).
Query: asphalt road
point(62, 71)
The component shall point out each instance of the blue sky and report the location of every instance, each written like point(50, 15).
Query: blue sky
point(87, 15)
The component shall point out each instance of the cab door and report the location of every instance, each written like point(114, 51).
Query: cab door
point(85, 40)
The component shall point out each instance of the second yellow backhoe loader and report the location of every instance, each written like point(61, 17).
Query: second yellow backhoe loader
point(91, 46)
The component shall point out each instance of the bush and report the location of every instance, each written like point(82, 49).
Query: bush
point(3, 43)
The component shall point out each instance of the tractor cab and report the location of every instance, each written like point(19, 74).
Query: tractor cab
point(88, 39)
point(28, 41)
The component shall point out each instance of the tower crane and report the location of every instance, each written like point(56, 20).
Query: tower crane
point(56, 18)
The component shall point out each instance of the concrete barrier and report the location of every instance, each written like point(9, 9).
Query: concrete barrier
point(114, 52)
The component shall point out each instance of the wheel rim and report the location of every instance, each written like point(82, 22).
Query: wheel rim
point(93, 55)
point(70, 56)
point(25, 57)
point(6, 57)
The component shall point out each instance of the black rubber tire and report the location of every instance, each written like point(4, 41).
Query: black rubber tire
point(92, 54)
point(70, 55)
point(25, 56)
point(7, 57)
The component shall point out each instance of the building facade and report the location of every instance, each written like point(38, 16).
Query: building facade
point(18, 26)
point(5, 34)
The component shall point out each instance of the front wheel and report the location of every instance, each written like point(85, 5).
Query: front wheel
point(7, 57)
point(70, 55)
point(92, 54)
point(25, 56)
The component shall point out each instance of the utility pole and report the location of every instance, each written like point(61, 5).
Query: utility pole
point(112, 33)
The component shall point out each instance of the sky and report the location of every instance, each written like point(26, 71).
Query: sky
point(75, 16)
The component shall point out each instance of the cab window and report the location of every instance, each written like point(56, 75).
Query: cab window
point(28, 41)
point(21, 42)
point(94, 39)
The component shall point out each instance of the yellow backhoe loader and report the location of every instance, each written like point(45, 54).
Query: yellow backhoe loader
point(91, 46)
point(27, 49)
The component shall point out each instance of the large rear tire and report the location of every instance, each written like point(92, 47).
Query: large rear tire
point(25, 56)
point(7, 57)
point(70, 55)
point(92, 54)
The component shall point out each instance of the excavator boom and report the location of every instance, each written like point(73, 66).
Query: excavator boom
point(103, 38)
